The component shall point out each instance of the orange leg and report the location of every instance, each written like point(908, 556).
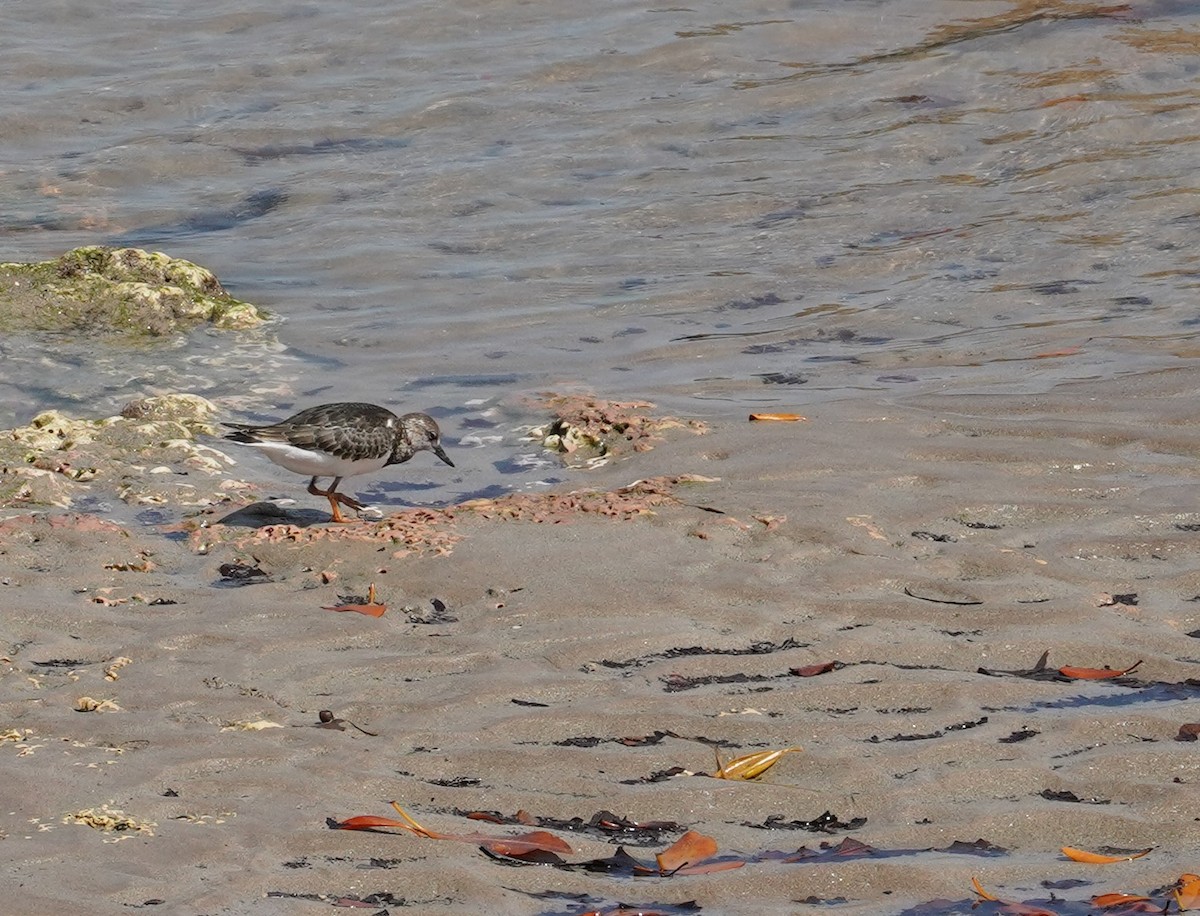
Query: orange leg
point(337, 513)
point(334, 498)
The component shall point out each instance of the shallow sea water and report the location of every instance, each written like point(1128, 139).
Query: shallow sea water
point(717, 207)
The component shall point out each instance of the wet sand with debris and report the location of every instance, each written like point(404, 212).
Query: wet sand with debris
point(555, 667)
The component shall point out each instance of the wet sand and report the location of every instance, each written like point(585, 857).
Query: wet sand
point(914, 543)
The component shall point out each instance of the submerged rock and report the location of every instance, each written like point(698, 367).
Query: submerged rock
point(118, 290)
point(148, 455)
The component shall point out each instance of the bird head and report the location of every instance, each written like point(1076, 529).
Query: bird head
point(418, 433)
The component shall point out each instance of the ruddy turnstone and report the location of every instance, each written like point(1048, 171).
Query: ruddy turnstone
point(339, 441)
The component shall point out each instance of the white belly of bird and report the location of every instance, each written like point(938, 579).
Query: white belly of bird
point(316, 464)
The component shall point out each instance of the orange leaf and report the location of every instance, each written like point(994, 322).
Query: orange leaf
point(750, 765)
point(1097, 858)
point(1095, 673)
point(371, 610)
point(1187, 895)
point(1106, 900)
point(777, 417)
point(690, 849)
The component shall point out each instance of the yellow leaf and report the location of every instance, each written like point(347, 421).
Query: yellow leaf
point(750, 765)
point(776, 417)
point(985, 895)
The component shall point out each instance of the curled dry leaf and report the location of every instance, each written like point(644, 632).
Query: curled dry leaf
point(1009, 908)
point(373, 822)
point(689, 849)
point(1098, 858)
point(983, 895)
point(1187, 894)
point(413, 826)
point(776, 417)
point(1095, 673)
point(1189, 731)
point(750, 765)
point(537, 841)
point(814, 670)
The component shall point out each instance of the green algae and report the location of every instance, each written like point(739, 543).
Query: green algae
point(124, 291)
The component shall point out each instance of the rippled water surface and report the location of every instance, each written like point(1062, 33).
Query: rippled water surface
point(716, 206)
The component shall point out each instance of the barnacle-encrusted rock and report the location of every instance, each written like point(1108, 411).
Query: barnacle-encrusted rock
point(189, 410)
point(588, 431)
point(120, 290)
point(145, 455)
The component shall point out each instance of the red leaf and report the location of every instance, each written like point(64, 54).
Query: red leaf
point(536, 841)
point(707, 868)
point(1107, 900)
point(369, 822)
point(485, 816)
point(814, 670)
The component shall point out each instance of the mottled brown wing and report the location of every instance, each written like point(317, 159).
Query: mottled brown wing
point(344, 430)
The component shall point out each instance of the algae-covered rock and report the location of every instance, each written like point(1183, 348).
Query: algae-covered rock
point(147, 455)
point(120, 290)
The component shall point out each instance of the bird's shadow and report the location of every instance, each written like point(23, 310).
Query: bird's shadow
point(265, 512)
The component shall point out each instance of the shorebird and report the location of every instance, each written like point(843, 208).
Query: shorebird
point(340, 441)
